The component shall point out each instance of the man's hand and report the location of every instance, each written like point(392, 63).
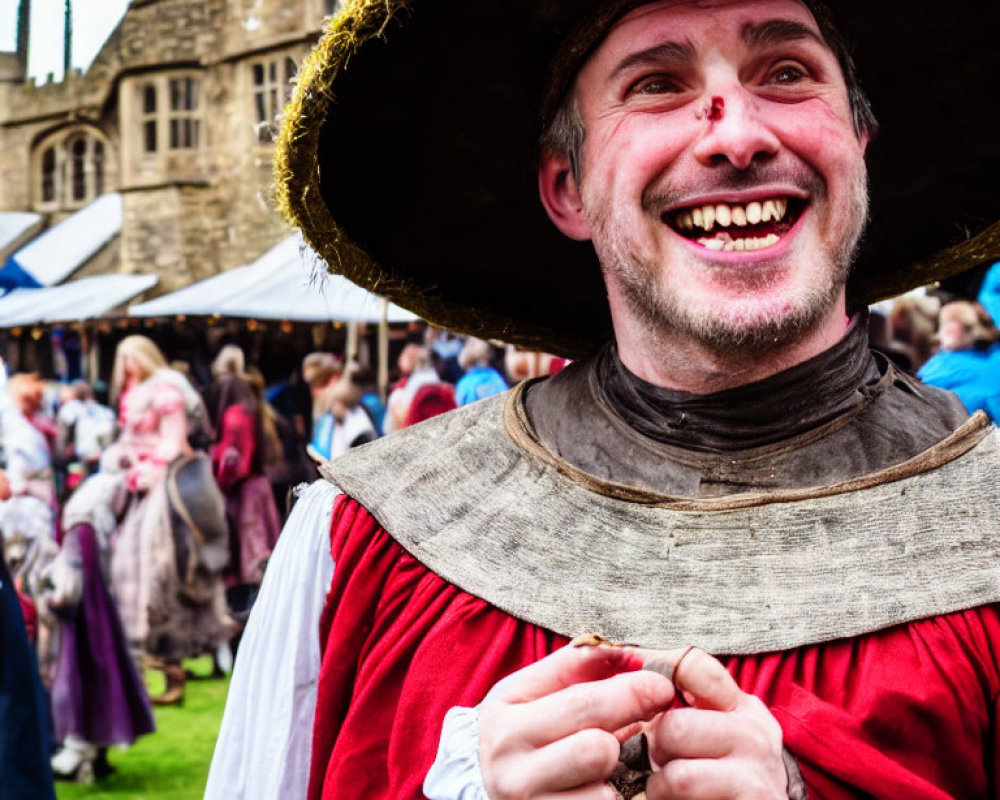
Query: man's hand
point(548, 730)
point(725, 744)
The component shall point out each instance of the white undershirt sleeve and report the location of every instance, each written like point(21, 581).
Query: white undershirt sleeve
point(266, 737)
point(455, 773)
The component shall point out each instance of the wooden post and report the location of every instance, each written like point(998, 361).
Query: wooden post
point(383, 350)
point(351, 348)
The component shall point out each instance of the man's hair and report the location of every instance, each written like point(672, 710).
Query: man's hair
point(565, 133)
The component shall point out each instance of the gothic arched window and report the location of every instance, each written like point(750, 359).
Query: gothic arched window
point(71, 169)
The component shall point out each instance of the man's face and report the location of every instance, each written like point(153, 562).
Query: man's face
point(722, 182)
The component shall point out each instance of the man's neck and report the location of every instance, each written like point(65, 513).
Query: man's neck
point(682, 364)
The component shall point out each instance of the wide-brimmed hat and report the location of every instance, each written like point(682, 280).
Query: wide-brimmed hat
point(409, 150)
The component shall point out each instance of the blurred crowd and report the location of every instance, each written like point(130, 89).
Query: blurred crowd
point(947, 341)
point(138, 516)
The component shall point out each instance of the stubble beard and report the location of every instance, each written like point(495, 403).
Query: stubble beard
point(751, 333)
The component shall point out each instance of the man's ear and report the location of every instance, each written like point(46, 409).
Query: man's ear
point(561, 196)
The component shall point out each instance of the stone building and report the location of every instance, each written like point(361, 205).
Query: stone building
point(176, 115)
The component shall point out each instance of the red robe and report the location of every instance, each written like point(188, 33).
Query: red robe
point(905, 713)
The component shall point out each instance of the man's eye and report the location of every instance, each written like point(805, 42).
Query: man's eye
point(788, 74)
point(654, 84)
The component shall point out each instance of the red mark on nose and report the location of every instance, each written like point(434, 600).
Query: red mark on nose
point(716, 110)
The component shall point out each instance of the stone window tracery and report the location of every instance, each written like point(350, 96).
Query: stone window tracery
point(271, 90)
point(184, 119)
point(49, 176)
point(169, 114)
point(98, 167)
point(70, 170)
point(78, 168)
point(148, 119)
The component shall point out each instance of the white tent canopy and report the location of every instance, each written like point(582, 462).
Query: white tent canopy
point(77, 300)
point(54, 255)
point(284, 283)
point(14, 225)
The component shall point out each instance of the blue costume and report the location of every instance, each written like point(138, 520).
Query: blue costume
point(479, 383)
point(974, 375)
point(989, 293)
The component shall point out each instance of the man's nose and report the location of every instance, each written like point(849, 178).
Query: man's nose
point(734, 131)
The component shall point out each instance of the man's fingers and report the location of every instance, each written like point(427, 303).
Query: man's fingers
point(693, 733)
point(549, 728)
point(565, 667)
point(608, 705)
point(700, 779)
point(574, 767)
point(693, 779)
point(599, 790)
point(585, 758)
point(700, 677)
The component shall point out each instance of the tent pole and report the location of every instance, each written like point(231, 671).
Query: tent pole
point(94, 355)
point(383, 349)
point(351, 354)
point(84, 351)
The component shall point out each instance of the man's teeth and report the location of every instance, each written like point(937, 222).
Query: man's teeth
point(748, 243)
point(727, 214)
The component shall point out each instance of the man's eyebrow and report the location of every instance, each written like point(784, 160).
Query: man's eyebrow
point(666, 51)
point(778, 31)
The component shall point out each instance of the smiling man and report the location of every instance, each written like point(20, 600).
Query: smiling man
point(799, 542)
point(722, 181)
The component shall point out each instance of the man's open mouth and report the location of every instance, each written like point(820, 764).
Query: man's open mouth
point(735, 226)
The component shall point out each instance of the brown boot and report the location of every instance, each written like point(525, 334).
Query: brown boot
point(173, 695)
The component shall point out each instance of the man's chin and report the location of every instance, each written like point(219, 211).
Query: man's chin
point(745, 325)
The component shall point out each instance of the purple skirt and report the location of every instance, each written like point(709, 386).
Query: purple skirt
point(97, 693)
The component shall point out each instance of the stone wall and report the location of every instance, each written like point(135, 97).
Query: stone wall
point(15, 185)
point(171, 31)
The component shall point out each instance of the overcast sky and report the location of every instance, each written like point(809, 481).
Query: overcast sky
point(93, 20)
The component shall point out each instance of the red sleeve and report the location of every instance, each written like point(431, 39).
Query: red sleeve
point(402, 646)
point(232, 455)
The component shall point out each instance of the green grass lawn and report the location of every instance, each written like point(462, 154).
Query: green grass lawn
point(172, 763)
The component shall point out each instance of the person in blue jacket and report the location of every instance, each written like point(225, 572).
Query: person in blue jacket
point(968, 362)
point(480, 379)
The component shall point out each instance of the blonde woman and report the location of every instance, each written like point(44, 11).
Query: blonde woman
point(158, 549)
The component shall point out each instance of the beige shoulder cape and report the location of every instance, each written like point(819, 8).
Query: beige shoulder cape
point(475, 497)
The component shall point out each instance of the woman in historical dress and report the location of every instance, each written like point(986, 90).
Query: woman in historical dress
point(98, 698)
point(158, 412)
point(246, 443)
